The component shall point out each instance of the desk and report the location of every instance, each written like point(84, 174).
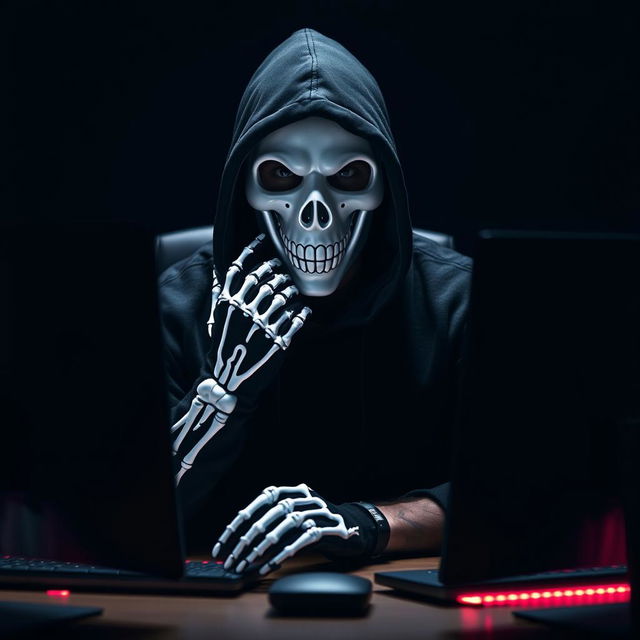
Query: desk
point(140, 617)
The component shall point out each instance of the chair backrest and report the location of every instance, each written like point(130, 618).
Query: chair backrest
point(176, 245)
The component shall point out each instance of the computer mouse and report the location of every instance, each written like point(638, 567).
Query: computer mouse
point(320, 593)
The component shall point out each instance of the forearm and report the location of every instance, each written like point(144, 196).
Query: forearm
point(416, 524)
point(212, 404)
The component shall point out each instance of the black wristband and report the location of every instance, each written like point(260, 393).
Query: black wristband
point(382, 527)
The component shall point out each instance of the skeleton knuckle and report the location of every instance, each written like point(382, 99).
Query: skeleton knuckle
point(272, 537)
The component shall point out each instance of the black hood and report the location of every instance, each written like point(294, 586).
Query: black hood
point(312, 75)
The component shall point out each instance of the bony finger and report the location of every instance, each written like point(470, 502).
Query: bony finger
point(237, 266)
point(220, 550)
point(225, 543)
point(249, 250)
point(297, 323)
point(268, 568)
point(278, 280)
point(275, 536)
point(278, 301)
point(265, 268)
point(312, 533)
point(257, 241)
point(227, 534)
point(284, 508)
point(255, 568)
point(216, 289)
point(232, 274)
point(305, 313)
point(273, 327)
point(267, 497)
point(260, 568)
point(287, 293)
point(251, 280)
point(241, 566)
point(254, 531)
point(267, 290)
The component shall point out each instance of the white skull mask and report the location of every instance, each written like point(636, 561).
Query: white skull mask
point(315, 184)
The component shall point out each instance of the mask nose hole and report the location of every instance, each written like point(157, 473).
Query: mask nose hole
point(315, 211)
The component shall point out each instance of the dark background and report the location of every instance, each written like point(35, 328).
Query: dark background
point(519, 114)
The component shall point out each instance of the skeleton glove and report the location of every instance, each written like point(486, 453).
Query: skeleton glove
point(283, 520)
point(253, 319)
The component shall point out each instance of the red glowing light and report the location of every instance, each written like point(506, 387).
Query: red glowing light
point(620, 592)
point(58, 593)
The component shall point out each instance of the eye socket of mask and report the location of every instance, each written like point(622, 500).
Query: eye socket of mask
point(354, 176)
point(274, 176)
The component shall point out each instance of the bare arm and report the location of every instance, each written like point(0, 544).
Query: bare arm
point(416, 525)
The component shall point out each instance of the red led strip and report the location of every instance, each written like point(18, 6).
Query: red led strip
point(621, 593)
point(61, 593)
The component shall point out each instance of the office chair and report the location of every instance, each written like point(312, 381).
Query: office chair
point(176, 245)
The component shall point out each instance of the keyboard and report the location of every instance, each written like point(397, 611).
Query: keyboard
point(200, 576)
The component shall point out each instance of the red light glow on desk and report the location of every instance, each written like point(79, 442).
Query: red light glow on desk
point(558, 597)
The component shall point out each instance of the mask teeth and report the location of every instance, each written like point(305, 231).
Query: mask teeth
point(320, 258)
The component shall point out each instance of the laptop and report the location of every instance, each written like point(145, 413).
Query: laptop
point(87, 492)
point(552, 379)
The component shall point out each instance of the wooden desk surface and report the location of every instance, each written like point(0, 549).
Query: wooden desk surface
point(249, 615)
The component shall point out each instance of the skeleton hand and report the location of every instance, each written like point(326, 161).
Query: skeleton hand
point(252, 322)
point(276, 525)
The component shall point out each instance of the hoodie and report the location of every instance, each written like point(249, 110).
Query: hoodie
point(363, 405)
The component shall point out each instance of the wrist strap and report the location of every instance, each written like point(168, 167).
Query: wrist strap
point(382, 527)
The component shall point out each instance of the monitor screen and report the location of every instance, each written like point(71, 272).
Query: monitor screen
point(552, 376)
point(85, 464)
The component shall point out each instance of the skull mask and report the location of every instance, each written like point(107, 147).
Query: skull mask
point(315, 185)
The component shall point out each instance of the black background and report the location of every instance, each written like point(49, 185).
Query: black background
point(519, 114)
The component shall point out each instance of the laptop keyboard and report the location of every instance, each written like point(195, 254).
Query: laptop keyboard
point(194, 569)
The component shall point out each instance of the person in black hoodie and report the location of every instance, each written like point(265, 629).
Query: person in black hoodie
point(359, 402)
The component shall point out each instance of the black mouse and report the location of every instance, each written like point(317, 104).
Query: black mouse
point(320, 593)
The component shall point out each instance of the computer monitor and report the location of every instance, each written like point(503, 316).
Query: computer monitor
point(546, 438)
point(85, 465)
point(552, 374)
